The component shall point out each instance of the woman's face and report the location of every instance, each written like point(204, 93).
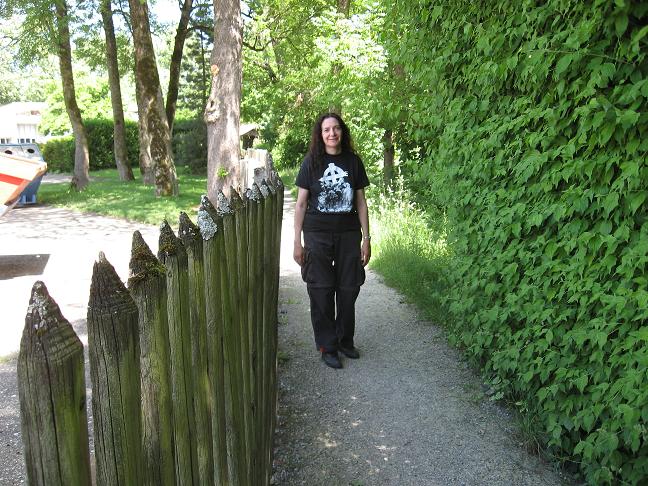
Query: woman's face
point(332, 135)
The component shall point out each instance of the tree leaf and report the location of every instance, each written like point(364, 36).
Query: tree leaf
point(621, 23)
point(563, 64)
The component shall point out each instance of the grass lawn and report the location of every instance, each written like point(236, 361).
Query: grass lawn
point(131, 200)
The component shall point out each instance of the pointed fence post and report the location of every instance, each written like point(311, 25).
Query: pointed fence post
point(172, 254)
point(235, 408)
point(147, 285)
point(190, 236)
point(268, 223)
point(211, 230)
point(253, 197)
point(278, 204)
point(241, 225)
point(113, 343)
point(51, 387)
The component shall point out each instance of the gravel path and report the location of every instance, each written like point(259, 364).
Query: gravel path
point(408, 412)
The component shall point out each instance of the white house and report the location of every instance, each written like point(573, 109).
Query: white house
point(19, 122)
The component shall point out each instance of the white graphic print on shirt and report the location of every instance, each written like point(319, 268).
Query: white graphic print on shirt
point(336, 195)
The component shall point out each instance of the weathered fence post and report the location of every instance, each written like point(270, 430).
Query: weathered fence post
point(278, 203)
point(51, 387)
point(172, 254)
point(190, 236)
point(253, 197)
point(113, 343)
point(268, 223)
point(211, 230)
point(235, 408)
point(276, 213)
point(241, 225)
point(147, 285)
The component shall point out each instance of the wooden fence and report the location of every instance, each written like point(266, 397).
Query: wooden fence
point(183, 361)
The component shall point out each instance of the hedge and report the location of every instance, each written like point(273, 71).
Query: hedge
point(59, 152)
point(532, 118)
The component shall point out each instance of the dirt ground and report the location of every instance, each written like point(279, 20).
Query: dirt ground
point(408, 412)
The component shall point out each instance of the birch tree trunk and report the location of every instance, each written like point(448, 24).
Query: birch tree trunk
point(152, 115)
point(81, 176)
point(176, 61)
point(119, 133)
point(222, 113)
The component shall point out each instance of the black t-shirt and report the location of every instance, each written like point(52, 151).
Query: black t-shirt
point(331, 201)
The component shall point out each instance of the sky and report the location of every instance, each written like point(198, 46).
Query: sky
point(167, 11)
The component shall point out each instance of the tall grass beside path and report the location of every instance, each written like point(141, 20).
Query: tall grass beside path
point(408, 251)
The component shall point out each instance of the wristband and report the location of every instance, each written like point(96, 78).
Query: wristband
point(368, 237)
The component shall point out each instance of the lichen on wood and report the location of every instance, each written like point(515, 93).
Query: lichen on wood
point(187, 230)
point(51, 387)
point(223, 206)
point(265, 191)
point(143, 263)
point(254, 193)
point(207, 218)
point(169, 243)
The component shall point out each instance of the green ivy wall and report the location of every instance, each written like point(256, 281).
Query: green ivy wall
point(532, 119)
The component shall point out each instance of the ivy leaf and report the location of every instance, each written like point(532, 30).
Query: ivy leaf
point(640, 34)
point(621, 24)
point(606, 133)
point(628, 118)
point(581, 382)
point(637, 200)
point(563, 64)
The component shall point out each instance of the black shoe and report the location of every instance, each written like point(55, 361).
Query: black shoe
point(349, 352)
point(331, 359)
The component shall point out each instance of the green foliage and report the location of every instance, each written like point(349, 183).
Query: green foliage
point(531, 120)
point(190, 144)
point(59, 152)
point(304, 59)
point(407, 251)
point(92, 95)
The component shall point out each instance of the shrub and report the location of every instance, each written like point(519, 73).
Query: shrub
point(532, 121)
point(190, 144)
point(59, 152)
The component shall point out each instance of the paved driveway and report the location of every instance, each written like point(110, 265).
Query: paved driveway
point(57, 246)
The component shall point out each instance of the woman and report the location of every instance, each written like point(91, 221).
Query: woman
point(332, 213)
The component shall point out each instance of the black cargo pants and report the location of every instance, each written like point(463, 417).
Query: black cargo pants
point(333, 274)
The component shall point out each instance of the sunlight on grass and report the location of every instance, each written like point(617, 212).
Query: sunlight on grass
point(132, 200)
point(407, 252)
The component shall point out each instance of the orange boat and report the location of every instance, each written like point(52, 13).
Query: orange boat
point(16, 173)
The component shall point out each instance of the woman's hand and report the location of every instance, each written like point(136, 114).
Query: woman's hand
point(365, 252)
point(298, 254)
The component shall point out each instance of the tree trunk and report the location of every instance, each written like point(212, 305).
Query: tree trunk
point(176, 60)
point(81, 176)
point(152, 116)
point(343, 7)
point(388, 158)
point(144, 138)
point(119, 134)
point(222, 113)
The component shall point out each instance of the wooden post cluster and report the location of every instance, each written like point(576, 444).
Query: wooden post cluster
point(183, 361)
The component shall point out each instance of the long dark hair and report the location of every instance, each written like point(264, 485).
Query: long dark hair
point(316, 150)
